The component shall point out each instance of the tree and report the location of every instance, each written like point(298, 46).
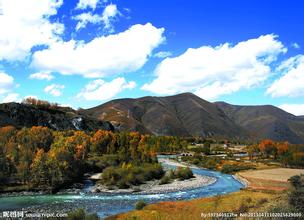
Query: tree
point(206, 148)
point(39, 169)
point(267, 147)
point(78, 144)
point(101, 141)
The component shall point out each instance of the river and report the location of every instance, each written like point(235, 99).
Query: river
point(109, 204)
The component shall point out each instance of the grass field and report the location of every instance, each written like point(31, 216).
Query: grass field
point(243, 201)
point(270, 179)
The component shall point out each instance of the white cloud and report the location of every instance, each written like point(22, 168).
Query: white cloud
point(84, 4)
point(42, 76)
point(101, 90)
point(54, 89)
point(295, 109)
point(163, 54)
point(119, 53)
point(86, 18)
point(295, 46)
point(11, 97)
point(6, 83)
point(26, 24)
point(214, 71)
point(292, 82)
point(108, 14)
point(107, 17)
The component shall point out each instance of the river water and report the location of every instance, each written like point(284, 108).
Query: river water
point(110, 204)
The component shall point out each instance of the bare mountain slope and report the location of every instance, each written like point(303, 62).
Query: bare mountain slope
point(266, 121)
point(184, 115)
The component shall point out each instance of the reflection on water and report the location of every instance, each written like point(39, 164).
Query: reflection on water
point(109, 204)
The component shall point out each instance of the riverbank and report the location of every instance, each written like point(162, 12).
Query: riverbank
point(155, 186)
point(237, 202)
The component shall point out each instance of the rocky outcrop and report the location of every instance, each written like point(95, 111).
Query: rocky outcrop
point(59, 118)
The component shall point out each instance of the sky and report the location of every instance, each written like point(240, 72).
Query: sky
point(82, 53)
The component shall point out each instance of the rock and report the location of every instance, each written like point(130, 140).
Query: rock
point(96, 190)
point(57, 118)
point(77, 185)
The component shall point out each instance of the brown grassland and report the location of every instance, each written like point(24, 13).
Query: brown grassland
point(267, 189)
point(247, 200)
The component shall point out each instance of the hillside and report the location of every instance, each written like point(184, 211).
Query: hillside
point(61, 118)
point(188, 115)
point(266, 121)
point(179, 115)
point(183, 115)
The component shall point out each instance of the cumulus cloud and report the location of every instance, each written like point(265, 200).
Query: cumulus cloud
point(162, 54)
point(6, 83)
point(84, 4)
point(100, 90)
point(54, 89)
point(214, 71)
point(42, 76)
point(26, 24)
point(119, 53)
point(295, 109)
point(11, 97)
point(291, 83)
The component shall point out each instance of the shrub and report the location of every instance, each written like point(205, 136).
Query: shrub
point(140, 205)
point(80, 214)
point(128, 175)
point(165, 180)
point(228, 168)
point(262, 201)
point(183, 173)
point(242, 208)
point(297, 181)
point(296, 199)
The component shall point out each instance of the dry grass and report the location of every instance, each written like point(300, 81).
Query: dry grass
point(270, 179)
point(234, 202)
point(278, 174)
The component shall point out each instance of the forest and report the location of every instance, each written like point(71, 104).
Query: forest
point(41, 158)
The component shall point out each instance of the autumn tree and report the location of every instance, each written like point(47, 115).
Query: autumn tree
point(39, 169)
point(267, 147)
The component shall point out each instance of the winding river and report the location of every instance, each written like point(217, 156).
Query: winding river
point(110, 204)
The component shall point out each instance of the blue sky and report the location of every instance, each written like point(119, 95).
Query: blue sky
point(85, 52)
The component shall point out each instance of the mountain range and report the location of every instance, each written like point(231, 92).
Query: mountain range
point(180, 115)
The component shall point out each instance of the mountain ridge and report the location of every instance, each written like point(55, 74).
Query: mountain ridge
point(178, 115)
point(188, 115)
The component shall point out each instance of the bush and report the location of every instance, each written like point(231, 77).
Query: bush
point(128, 175)
point(206, 162)
point(296, 199)
point(242, 208)
point(297, 181)
point(165, 180)
point(228, 168)
point(183, 173)
point(262, 201)
point(80, 214)
point(140, 205)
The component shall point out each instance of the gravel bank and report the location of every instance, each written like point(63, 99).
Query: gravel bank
point(154, 186)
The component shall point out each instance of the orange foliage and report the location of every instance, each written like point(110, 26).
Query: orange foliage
point(282, 147)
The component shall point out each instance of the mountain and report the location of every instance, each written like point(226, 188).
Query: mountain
point(59, 118)
point(179, 115)
point(188, 115)
point(266, 121)
point(183, 115)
